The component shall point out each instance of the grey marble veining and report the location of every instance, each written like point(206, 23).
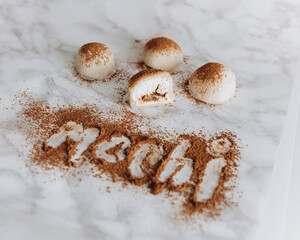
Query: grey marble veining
point(259, 40)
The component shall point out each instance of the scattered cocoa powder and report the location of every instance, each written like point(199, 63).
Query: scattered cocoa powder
point(44, 121)
point(140, 65)
point(186, 59)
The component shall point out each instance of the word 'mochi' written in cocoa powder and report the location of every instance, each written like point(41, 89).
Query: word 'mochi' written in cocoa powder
point(174, 170)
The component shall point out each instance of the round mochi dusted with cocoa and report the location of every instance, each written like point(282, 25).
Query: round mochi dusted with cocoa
point(162, 53)
point(95, 61)
point(213, 83)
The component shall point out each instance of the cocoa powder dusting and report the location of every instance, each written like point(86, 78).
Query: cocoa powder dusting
point(161, 44)
point(93, 52)
point(143, 74)
point(44, 121)
point(209, 72)
point(140, 65)
point(186, 59)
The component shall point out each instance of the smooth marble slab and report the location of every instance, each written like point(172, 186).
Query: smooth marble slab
point(39, 39)
point(292, 215)
point(274, 220)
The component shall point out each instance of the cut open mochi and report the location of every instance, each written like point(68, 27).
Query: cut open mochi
point(150, 88)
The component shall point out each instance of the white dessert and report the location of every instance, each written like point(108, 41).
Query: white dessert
point(95, 61)
point(213, 83)
point(150, 88)
point(162, 53)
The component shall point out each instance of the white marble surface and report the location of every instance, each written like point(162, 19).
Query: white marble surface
point(292, 214)
point(274, 213)
point(259, 40)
